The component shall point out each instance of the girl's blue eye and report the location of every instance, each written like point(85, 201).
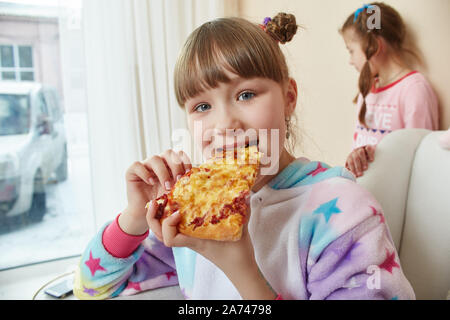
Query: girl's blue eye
point(202, 107)
point(246, 96)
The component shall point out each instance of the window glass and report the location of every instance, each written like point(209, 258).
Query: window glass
point(8, 75)
point(45, 184)
point(7, 56)
point(27, 76)
point(14, 114)
point(25, 57)
point(51, 100)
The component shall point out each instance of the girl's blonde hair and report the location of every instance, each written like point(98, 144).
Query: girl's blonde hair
point(392, 30)
point(240, 46)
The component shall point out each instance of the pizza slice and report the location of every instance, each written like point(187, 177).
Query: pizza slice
point(211, 197)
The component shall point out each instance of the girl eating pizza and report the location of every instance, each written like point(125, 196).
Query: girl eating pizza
point(311, 232)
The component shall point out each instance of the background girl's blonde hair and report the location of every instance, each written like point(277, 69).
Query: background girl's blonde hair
point(236, 45)
point(392, 30)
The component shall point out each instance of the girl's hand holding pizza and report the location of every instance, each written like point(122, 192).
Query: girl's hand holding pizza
point(147, 180)
point(235, 258)
point(224, 254)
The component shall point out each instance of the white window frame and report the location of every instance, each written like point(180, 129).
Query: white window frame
point(17, 69)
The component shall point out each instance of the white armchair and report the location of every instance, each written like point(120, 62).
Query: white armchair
point(410, 178)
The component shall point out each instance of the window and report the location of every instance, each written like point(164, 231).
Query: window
point(51, 99)
point(16, 62)
point(14, 114)
point(45, 185)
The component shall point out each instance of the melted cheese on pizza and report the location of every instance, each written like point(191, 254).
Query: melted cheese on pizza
point(214, 191)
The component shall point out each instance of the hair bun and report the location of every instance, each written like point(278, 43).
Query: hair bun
point(282, 27)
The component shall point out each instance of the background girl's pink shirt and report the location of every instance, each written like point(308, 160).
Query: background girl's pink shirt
point(409, 102)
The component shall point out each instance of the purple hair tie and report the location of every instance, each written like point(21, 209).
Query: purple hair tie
point(264, 27)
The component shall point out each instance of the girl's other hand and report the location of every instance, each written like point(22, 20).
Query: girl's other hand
point(147, 180)
point(358, 160)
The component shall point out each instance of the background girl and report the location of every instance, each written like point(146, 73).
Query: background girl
point(312, 232)
point(391, 95)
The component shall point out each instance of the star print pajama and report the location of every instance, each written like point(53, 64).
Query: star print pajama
point(315, 232)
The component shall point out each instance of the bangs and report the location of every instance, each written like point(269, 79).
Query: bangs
point(232, 44)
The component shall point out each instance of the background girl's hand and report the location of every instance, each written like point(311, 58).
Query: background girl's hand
point(358, 160)
point(147, 180)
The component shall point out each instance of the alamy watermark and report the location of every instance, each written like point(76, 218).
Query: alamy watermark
point(374, 20)
point(374, 280)
point(210, 141)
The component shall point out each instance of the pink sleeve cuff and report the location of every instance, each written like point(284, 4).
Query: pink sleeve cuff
point(118, 243)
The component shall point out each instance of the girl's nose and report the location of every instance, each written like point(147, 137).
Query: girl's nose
point(228, 122)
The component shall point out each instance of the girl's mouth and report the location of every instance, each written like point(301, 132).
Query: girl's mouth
point(236, 145)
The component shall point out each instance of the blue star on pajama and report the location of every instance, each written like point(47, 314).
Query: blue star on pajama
point(328, 209)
